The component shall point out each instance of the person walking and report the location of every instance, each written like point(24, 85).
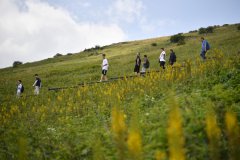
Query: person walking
point(104, 68)
point(172, 58)
point(137, 64)
point(37, 84)
point(146, 64)
point(20, 88)
point(162, 58)
point(205, 48)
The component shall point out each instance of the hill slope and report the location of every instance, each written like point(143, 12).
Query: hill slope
point(190, 111)
point(85, 66)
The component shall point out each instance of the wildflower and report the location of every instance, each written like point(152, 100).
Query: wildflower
point(213, 133)
point(175, 134)
point(119, 132)
point(160, 155)
point(134, 143)
point(233, 135)
point(118, 123)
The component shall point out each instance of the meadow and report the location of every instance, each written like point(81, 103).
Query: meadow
point(190, 111)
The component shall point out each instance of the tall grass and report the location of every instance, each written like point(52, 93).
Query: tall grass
point(189, 111)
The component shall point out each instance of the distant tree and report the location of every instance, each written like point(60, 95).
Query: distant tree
point(17, 63)
point(178, 38)
point(201, 31)
point(225, 25)
point(57, 55)
point(69, 54)
point(193, 31)
point(216, 26)
point(97, 47)
point(209, 29)
point(154, 44)
point(206, 30)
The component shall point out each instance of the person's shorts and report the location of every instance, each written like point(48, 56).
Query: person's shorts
point(162, 63)
point(104, 72)
point(137, 69)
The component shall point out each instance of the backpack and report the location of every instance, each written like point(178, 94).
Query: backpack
point(174, 58)
point(207, 46)
point(147, 64)
point(22, 89)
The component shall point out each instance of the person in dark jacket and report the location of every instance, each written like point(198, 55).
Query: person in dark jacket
point(37, 84)
point(172, 58)
point(137, 64)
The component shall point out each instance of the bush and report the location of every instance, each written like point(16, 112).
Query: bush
point(205, 30)
point(17, 63)
point(193, 31)
point(238, 27)
point(209, 29)
point(57, 55)
point(97, 47)
point(225, 25)
point(178, 38)
point(154, 44)
point(69, 54)
point(201, 31)
point(181, 42)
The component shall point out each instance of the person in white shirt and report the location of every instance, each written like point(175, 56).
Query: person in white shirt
point(162, 58)
point(19, 88)
point(104, 68)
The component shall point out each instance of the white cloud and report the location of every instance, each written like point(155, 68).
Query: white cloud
point(156, 25)
point(126, 10)
point(40, 30)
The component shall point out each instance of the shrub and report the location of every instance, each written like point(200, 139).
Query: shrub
point(205, 30)
point(193, 31)
point(238, 27)
point(57, 55)
point(154, 44)
point(97, 47)
point(201, 31)
point(178, 38)
point(209, 29)
point(69, 54)
point(225, 25)
point(17, 63)
point(181, 42)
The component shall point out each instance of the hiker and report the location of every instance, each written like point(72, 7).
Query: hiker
point(137, 64)
point(20, 88)
point(146, 64)
point(37, 84)
point(104, 68)
point(162, 58)
point(205, 48)
point(172, 58)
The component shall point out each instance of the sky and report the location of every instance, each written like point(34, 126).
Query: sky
point(32, 30)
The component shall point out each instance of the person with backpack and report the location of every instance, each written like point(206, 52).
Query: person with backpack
point(137, 64)
point(205, 48)
point(104, 68)
point(37, 84)
point(162, 58)
point(172, 58)
point(20, 88)
point(146, 64)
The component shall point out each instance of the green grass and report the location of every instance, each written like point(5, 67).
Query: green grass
point(76, 123)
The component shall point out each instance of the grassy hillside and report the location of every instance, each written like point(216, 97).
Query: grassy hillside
point(189, 112)
point(85, 66)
